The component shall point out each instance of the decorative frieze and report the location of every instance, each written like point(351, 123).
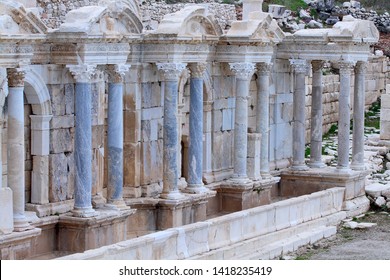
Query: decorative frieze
point(299, 65)
point(171, 71)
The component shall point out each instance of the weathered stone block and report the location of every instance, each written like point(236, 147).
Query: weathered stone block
point(131, 162)
point(97, 136)
point(40, 180)
point(69, 99)
point(132, 97)
point(57, 97)
point(132, 126)
point(66, 121)
point(58, 179)
point(61, 140)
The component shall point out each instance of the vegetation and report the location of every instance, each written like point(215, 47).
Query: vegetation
point(293, 5)
point(372, 118)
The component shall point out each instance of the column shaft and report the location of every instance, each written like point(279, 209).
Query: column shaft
point(299, 117)
point(344, 115)
point(262, 116)
point(316, 117)
point(171, 72)
point(358, 117)
point(244, 72)
point(15, 143)
point(195, 149)
point(115, 136)
point(83, 141)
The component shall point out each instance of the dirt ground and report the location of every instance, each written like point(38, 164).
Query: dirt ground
point(352, 244)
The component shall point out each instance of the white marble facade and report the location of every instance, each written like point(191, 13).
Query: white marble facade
point(119, 113)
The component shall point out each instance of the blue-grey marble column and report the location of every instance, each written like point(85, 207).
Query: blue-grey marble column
point(171, 73)
point(83, 141)
point(316, 117)
point(344, 115)
point(115, 135)
point(195, 149)
point(358, 117)
point(262, 116)
point(16, 153)
point(243, 72)
point(300, 68)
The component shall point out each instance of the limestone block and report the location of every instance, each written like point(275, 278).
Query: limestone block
point(97, 136)
point(385, 101)
point(282, 215)
point(375, 190)
point(220, 104)
point(40, 180)
point(385, 130)
point(71, 174)
point(58, 180)
point(218, 120)
point(132, 192)
point(61, 140)
point(277, 11)
point(98, 108)
point(132, 97)
point(131, 163)
point(132, 126)
point(57, 97)
point(227, 119)
point(228, 146)
point(152, 190)
point(152, 113)
point(387, 88)
point(151, 156)
point(69, 99)
point(66, 121)
point(6, 214)
point(97, 170)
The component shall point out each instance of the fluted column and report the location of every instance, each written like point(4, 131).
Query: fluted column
point(344, 115)
point(195, 149)
point(171, 73)
point(83, 75)
point(262, 116)
point(300, 68)
point(316, 116)
point(243, 72)
point(15, 143)
point(115, 135)
point(358, 117)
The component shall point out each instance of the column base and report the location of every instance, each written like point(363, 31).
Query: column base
point(317, 164)
point(300, 167)
point(22, 225)
point(86, 212)
point(358, 166)
point(265, 175)
point(78, 234)
point(174, 195)
point(195, 188)
point(119, 204)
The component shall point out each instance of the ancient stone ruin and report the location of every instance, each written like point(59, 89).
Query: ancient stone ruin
point(184, 139)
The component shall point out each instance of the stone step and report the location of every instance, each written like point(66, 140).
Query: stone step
point(275, 244)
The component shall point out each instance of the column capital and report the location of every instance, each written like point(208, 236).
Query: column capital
point(346, 67)
point(361, 67)
point(171, 71)
point(197, 69)
point(116, 72)
point(317, 65)
point(83, 73)
point(16, 77)
point(299, 65)
point(243, 70)
point(264, 68)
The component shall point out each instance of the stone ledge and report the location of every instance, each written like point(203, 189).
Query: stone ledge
point(50, 209)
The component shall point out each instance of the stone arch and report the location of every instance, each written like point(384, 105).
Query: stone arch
point(37, 93)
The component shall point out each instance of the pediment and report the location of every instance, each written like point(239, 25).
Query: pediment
point(114, 19)
point(358, 30)
point(192, 21)
point(16, 20)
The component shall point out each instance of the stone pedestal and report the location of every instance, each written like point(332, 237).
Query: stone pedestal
point(299, 118)
point(358, 117)
point(18, 245)
point(190, 209)
point(77, 234)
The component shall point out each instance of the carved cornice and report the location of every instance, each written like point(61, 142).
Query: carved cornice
point(361, 67)
point(171, 71)
point(197, 69)
point(82, 73)
point(16, 77)
point(116, 72)
point(243, 70)
point(317, 65)
point(299, 65)
point(263, 69)
point(346, 67)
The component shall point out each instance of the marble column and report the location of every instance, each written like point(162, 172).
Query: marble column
point(344, 115)
point(16, 150)
point(243, 72)
point(195, 149)
point(358, 117)
point(6, 208)
point(262, 116)
point(83, 75)
point(115, 135)
point(316, 116)
point(300, 68)
point(171, 73)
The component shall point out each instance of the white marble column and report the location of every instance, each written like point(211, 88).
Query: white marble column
point(358, 117)
point(115, 135)
point(195, 149)
point(171, 73)
point(243, 72)
point(344, 115)
point(300, 68)
point(316, 116)
point(83, 140)
point(6, 208)
point(16, 150)
point(262, 116)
